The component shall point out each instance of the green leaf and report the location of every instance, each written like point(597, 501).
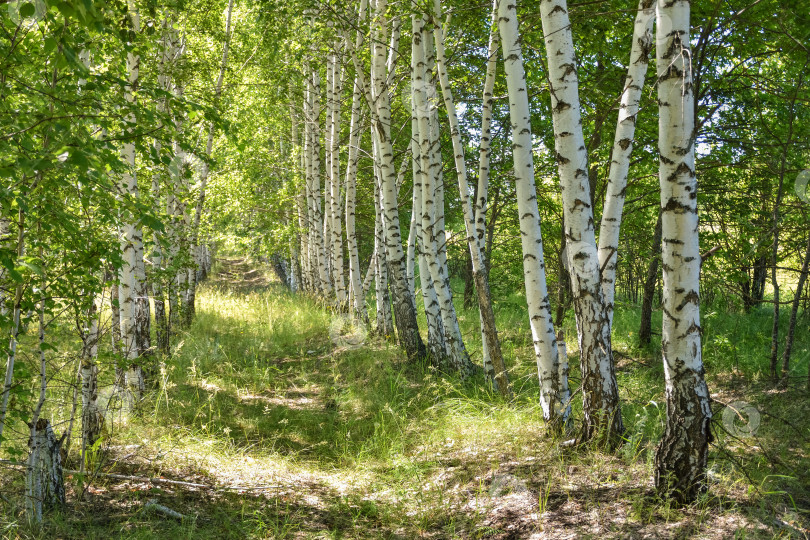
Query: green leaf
point(66, 9)
point(27, 10)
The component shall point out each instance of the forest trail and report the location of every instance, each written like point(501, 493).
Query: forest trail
point(265, 428)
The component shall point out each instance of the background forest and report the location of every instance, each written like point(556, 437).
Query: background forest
point(388, 269)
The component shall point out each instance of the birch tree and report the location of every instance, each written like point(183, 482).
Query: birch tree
point(553, 375)
point(489, 332)
point(404, 304)
point(622, 149)
point(131, 245)
point(599, 388)
point(680, 459)
point(204, 172)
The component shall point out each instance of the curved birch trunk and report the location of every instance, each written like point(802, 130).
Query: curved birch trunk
point(680, 459)
point(554, 394)
point(622, 149)
point(600, 392)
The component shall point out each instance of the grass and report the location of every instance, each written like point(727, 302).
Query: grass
point(302, 438)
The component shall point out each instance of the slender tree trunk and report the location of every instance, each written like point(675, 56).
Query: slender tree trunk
point(600, 392)
point(457, 355)
point(131, 246)
point(435, 328)
point(622, 149)
point(385, 321)
point(493, 357)
point(482, 189)
point(645, 329)
point(91, 414)
point(554, 393)
point(680, 459)
point(16, 311)
point(775, 245)
point(204, 172)
point(404, 304)
point(338, 277)
point(794, 311)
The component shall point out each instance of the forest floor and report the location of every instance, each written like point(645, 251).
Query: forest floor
point(275, 419)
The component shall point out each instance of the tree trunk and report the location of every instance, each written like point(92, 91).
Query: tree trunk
point(680, 459)
point(622, 149)
point(44, 481)
point(431, 222)
point(603, 420)
point(131, 310)
point(794, 311)
point(404, 304)
point(16, 311)
point(385, 321)
point(775, 245)
point(92, 417)
point(338, 277)
point(554, 393)
point(645, 329)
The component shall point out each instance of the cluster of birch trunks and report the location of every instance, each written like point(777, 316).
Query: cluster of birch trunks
point(167, 277)
point(317, 252)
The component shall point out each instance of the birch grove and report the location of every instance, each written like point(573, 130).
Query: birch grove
point(352, 237)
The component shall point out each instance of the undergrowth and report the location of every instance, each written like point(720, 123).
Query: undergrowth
point(287, 434)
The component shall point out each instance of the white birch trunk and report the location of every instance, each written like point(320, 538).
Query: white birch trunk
point(435, 328)
point(432, 221)
point(338, 277)
point(404, 303)
point(480, 204)
point(622, 149)
point(204, 171)
point(681, 457)
point(554, 394)
point(131, 246)
point(600, 391)
point(385, 322)
point(493, 359)
point(318, 218)
point(359, 299)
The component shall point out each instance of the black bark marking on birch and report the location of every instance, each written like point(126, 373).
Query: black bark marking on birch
point(692, 297)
